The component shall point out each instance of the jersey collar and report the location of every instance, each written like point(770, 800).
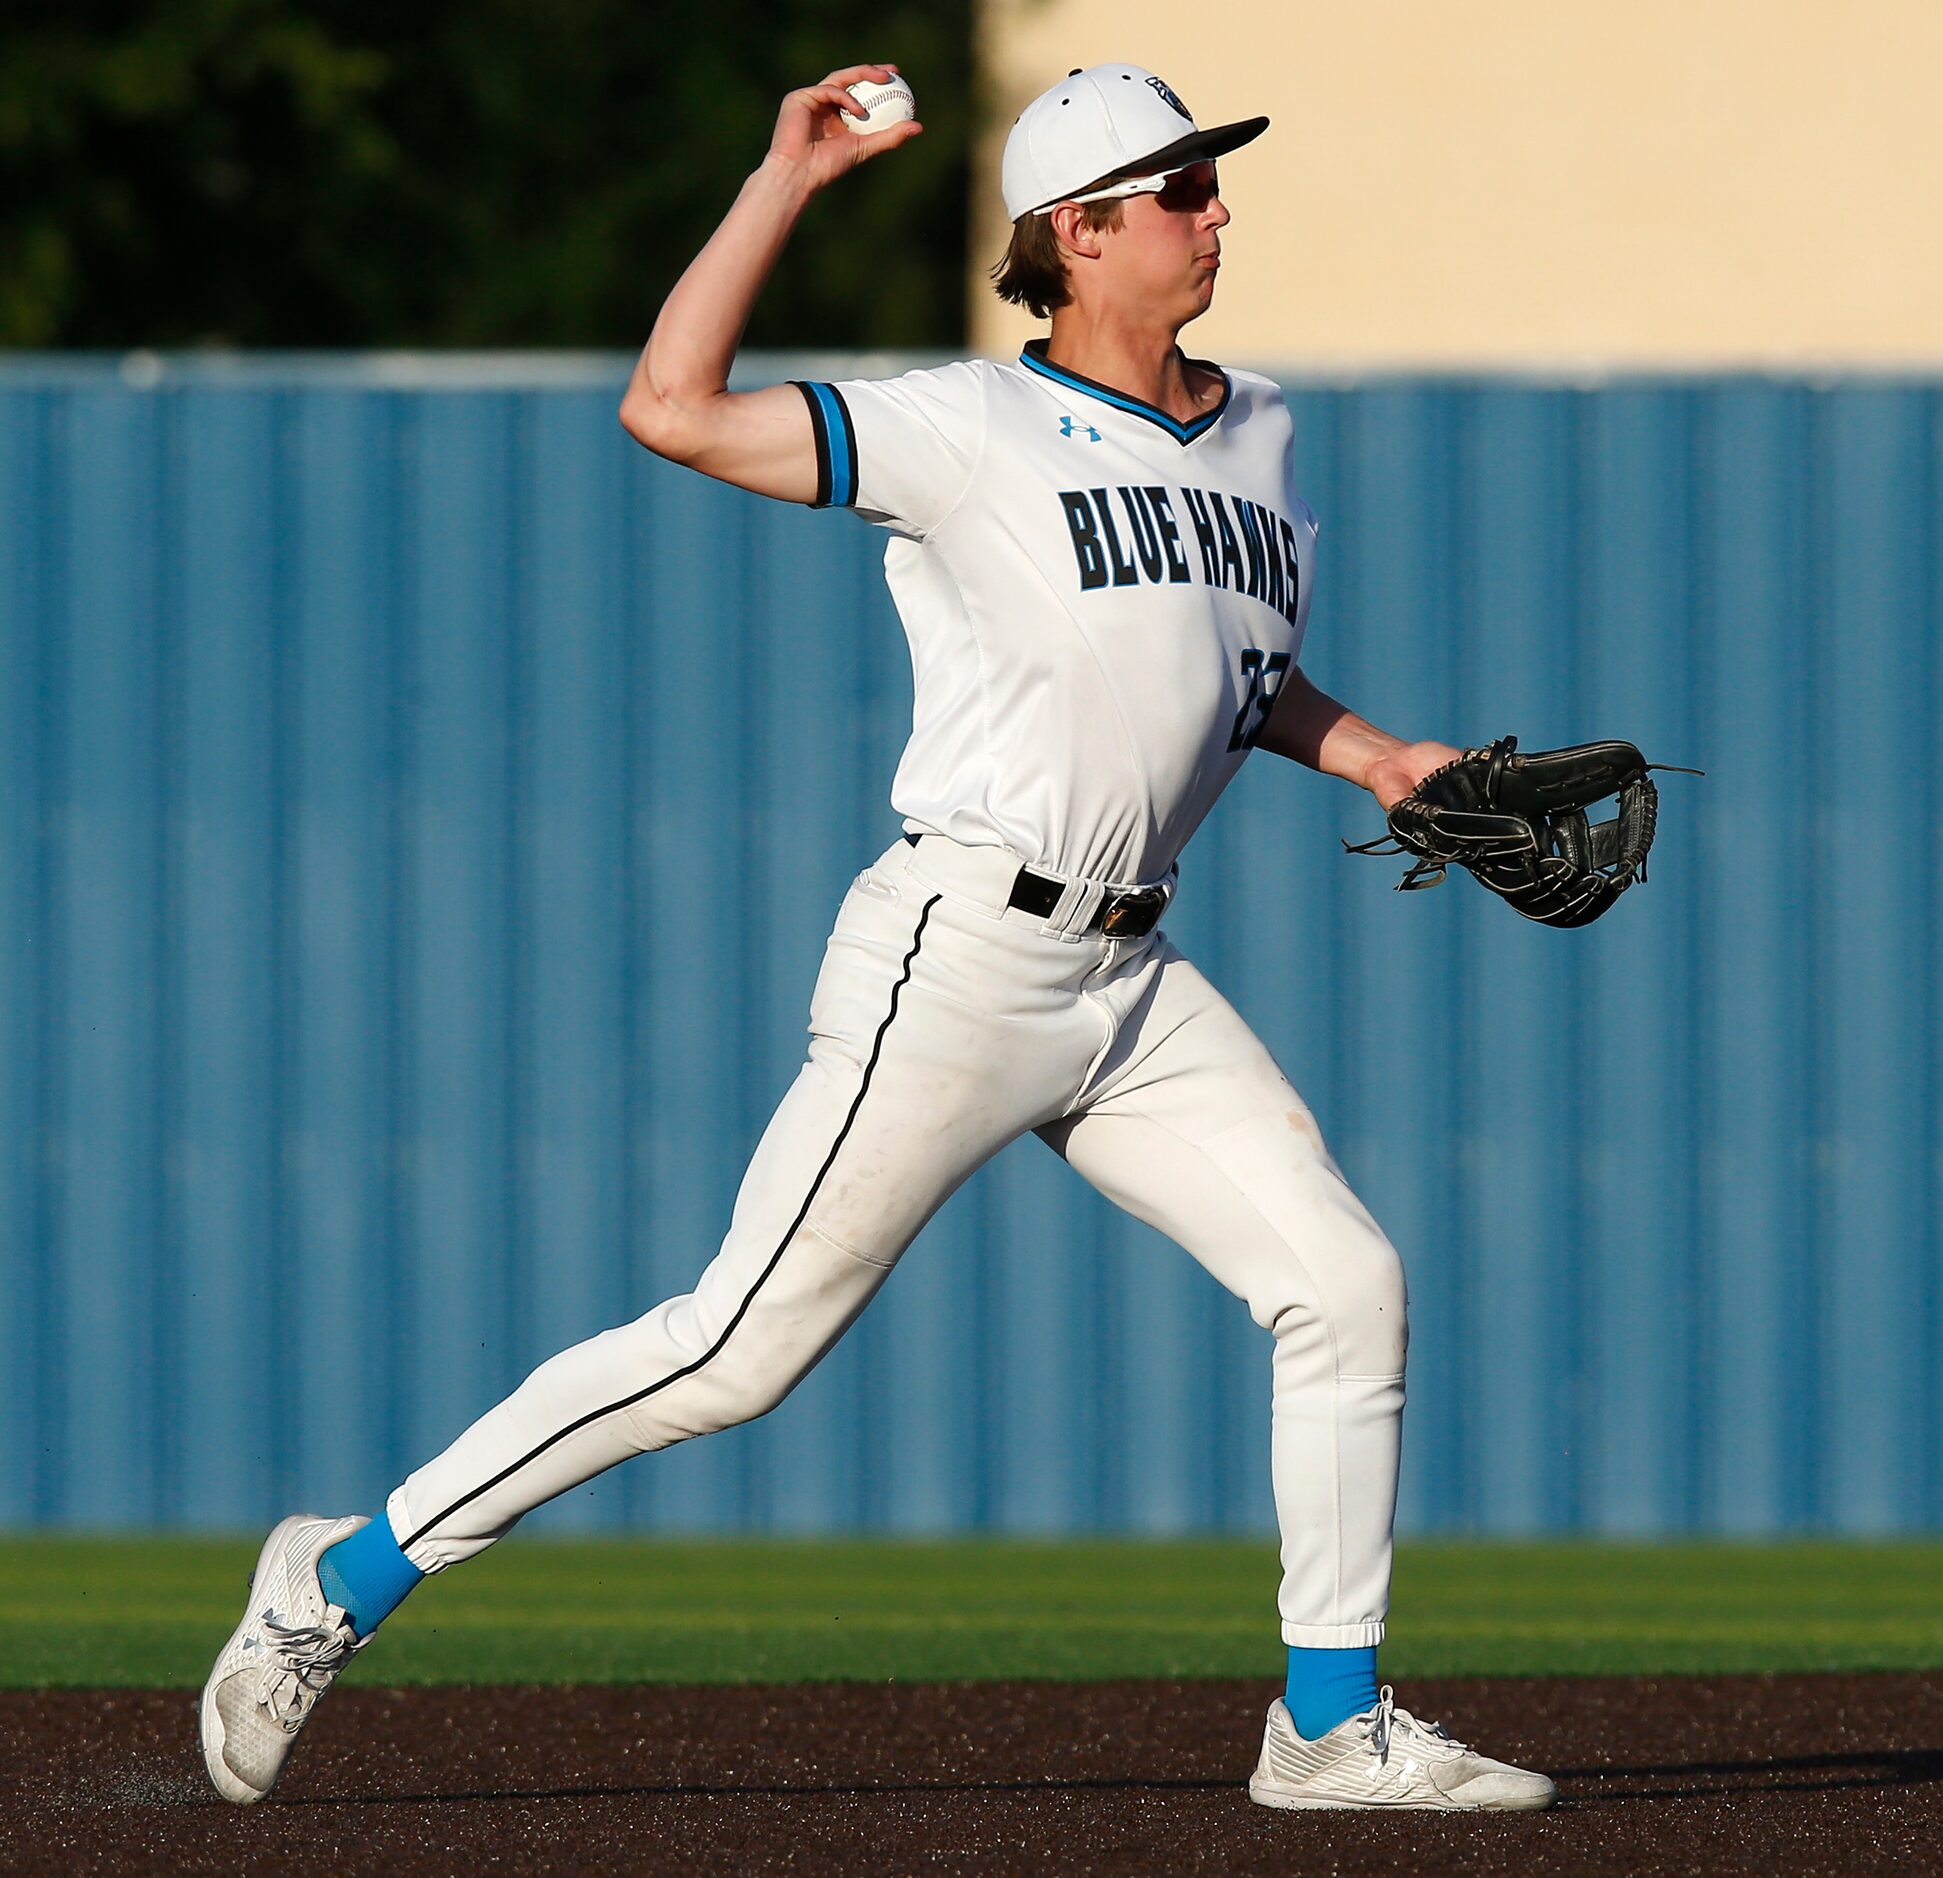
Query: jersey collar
point(1034, 359)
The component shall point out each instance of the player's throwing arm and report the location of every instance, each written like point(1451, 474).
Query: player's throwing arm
point(678, 402)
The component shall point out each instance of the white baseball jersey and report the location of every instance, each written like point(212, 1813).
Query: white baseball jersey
point(1101, 602)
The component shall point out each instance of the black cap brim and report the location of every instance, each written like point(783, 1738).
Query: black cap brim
point(1198, 146)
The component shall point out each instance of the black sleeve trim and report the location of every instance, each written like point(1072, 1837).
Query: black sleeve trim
point(822, 435)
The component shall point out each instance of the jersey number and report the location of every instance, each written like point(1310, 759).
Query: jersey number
point(1263, 672)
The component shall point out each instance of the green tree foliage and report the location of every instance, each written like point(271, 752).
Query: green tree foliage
point(451, 172)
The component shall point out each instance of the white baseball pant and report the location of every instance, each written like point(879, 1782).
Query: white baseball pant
point(943, 1026)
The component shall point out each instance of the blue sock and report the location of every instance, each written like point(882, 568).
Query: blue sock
point(367, 1575)
point(1327, 1687)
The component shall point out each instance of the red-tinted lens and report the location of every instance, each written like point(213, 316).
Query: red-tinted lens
point(1189, 192)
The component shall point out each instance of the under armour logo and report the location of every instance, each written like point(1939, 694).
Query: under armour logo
point(1166, 91)
point(1071, 427)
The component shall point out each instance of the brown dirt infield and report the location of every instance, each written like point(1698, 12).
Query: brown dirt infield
point(1769, 1774)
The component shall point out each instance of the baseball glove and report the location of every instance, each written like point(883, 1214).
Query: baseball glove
point(1518, 822)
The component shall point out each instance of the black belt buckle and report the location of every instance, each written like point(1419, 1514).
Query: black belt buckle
point(1133, 915)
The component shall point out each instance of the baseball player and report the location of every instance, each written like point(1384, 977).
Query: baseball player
point(1104, 570)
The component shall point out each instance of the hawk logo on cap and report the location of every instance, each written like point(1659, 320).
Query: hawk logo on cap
point(1167, 92)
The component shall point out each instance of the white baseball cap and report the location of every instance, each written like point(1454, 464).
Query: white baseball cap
point(1104, 122)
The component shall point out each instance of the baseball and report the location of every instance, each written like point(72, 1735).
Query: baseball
point(892, 102)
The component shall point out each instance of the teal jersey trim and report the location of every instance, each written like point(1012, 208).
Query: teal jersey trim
point(1034, 359)
point(836, 445)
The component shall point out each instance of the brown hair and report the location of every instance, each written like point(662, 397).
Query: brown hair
point(1033, 275)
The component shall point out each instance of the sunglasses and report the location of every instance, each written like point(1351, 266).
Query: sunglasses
point(1185, 191)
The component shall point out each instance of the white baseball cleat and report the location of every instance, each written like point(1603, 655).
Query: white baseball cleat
point(1387, 1757)
point(279, 1661)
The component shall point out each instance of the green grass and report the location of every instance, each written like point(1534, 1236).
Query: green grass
point(122, 1611)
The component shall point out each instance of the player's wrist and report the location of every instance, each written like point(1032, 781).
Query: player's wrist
point(1377, 773)
point(1394, 772)
point(779, 177)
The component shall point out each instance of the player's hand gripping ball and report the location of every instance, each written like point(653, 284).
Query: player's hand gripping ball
point(885, 104)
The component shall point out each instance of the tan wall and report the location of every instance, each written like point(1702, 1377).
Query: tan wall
point(1671, 182)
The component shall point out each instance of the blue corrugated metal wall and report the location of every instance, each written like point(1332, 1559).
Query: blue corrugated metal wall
point(422, 812)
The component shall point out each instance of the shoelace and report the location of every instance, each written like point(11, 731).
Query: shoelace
point(1388, 1721)
point(304, 1660)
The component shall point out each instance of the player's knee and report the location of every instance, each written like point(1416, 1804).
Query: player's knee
point(747, 1336)
point(723, 1394)
point(743, 1369)
point(1369, 1314)
point(1349, 1299)
point(741, 1391)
